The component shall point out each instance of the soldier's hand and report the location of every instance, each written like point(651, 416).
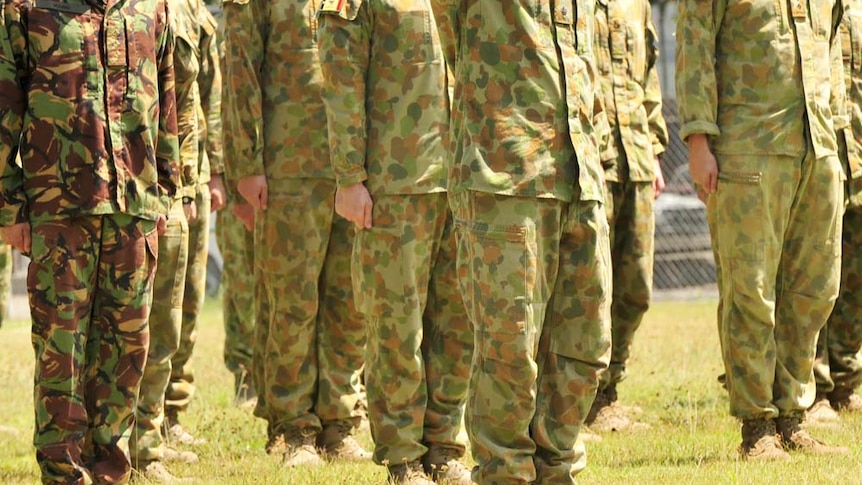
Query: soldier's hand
point(18, 236)
point(254, 190)
point(190, 210)
point(658, 184)
point(217, 192)
point(161, 224)
point(702, 165)
point(245, 213)
point(353, 203)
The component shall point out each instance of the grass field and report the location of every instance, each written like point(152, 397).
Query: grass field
point(672, 377)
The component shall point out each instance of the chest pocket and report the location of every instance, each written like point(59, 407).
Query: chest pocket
point(62, 48)
point(405, 33)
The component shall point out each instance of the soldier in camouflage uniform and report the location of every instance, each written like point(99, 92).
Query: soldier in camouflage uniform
point(387, 106)
point(189, 21)
point(533, 254)
point(88, 100)
point(309, 340)
point(208, 196)
point(626, 54)
point(5, 279)
point(760, 89)
point(236, 243)
point(838, 366)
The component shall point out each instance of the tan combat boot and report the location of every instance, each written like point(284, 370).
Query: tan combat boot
point(795, 438)
point(410, 473)
point(442, 465)
point(821, 412)
point(176, 433)
point(157, 472)
point(607, 416)
point(760, 441)
point(301, 448)
point(337, 442)
point(846, 401)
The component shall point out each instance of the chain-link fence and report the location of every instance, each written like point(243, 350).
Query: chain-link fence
point(683, 255)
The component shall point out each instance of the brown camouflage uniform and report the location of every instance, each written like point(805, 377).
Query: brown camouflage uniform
point(838, 368)
point(209, 160)
point(776, 215)
point(166, 316)
point(275, 125)
point(388, 111)
point(88, 100)
point(527, 191)
point(626, 54)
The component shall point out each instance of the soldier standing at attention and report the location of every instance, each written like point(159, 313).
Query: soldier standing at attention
point(150, 447)
point(88, 101)
point(387, 105)
point(626, 54)
point(761, 93)
point(838, 368)
point(533, 257)
point(309, 341)
point(208, 196)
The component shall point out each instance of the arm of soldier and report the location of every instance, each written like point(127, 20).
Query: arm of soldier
point(13, 78)
point(210, 82)
point(242, 104)
point(167, 146)
point(697, 27)
point(345, 43)
point(838, 96)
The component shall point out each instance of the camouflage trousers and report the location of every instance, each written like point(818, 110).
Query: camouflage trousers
point(838, 365)
point(237, 279)
point(629, 207)
point(420, 341)
point(309, 339)
point(89, 284)
point(775, 223)
point(535, 275)
point(5, 280)
point(181, 386)
point(165, 322)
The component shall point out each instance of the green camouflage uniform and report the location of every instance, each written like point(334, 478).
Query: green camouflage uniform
point(275, 125)
point(5, 280)
point(166, 317)
point(236, 245)
point(88, 99)
point(838, 368)
point(209, 160)
point(776, 216)
point(388, 110)
point(237, 249)
point(533, 254)
point(626, 54)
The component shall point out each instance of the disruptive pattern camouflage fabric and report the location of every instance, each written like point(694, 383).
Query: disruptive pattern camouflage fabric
point(533, 257)
point(764, 81)
point(387, 104)
point(838, 368)
point(98, 91)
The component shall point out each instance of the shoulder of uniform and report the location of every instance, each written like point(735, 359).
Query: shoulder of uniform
point(346, 9)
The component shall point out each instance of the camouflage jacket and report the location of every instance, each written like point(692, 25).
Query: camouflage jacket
point(741, 80)
point(273, 116)
point(386, 95)
point(526, 116)
point(851, 48)
point(88, 101)
point(210, 85)
point(626, 54)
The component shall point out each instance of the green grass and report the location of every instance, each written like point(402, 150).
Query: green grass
point(672, 377)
